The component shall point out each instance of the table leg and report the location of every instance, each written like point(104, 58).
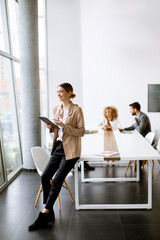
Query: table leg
point(76, 186)
point(82, 171)
point(149, 184)
point(138, 171)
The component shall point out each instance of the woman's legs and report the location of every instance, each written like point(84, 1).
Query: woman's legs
point(64, 168)
point(51, 169)
point(47, 175)
point(57, 163)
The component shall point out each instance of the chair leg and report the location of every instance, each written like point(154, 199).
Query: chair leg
point(59, 204)
point(38, 195)
point(58, 198)
point(152, 168)
point(143, 163)
point(127, 166)
point(68, 191)
point(134, 168)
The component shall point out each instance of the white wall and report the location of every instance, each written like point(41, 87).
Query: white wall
point(120, 55)
point(110, 58)
point(64, 48)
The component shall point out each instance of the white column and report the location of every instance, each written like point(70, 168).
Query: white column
point(30, 89)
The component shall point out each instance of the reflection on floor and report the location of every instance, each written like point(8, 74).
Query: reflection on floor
point(17, 209)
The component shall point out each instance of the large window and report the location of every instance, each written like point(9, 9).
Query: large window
point(8, 114)
point(10, 145)
point(10, 86)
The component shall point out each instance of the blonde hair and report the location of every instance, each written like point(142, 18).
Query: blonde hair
point(114, 111)
point(68, 87)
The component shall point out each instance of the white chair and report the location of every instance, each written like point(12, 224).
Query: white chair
point(156, 143)
point(40, 158)
point(149, 137)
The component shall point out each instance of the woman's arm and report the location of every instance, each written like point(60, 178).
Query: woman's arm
point(118, 124)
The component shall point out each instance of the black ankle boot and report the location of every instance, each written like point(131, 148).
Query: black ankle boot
point(41, 222)
point(51, 216)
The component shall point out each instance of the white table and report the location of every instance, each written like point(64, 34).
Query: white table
point(131, 147)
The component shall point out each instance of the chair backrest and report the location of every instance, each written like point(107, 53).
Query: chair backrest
point(156, 143)
point(40, 158)
point(150, 136)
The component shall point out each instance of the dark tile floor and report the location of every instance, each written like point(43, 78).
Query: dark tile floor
point(17, 209)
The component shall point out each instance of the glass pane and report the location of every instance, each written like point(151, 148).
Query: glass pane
point(42, 57)
point(1, 169)
point(13, 17)
point(41, 8)
point(43, 89)
point(18, 89)
point(4, 43)
point(10, 137)
point(42, 65)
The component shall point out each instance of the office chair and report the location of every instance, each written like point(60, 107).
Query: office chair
point(149, 137)
point(40, 158)
point(156, 143)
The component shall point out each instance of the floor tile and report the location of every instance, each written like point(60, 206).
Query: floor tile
point(95, 217)
point(95, 231)
point(141, 231)
point(17, 209)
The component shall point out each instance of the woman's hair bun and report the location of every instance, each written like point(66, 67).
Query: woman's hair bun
point(73, 95)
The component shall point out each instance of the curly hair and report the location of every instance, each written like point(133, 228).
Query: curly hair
point(113, 110)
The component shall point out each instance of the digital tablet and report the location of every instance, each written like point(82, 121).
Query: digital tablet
point(46, 120)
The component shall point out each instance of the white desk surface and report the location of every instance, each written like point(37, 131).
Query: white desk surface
point(131, 146)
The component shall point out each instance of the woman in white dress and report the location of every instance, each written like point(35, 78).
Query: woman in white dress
point(110, 120)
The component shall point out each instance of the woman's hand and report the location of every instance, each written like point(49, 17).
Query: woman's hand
point(58, 122)
point(48, 126)
point(107, 126)
point(94, 131)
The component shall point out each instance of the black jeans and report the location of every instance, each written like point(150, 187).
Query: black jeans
point(59, 165)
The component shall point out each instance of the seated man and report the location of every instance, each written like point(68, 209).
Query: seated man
point(142, 123)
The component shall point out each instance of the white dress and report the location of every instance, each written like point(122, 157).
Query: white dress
point(115, 124)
